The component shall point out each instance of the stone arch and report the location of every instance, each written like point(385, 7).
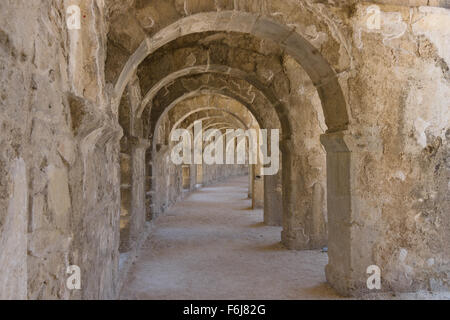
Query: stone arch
point(207, 109)
point(233, 73)
point(213, 122)
point(205, 105)
point(296, 46)
point(204, 90)
point(318, 69)
point(237, 115)
point(209, 103)
point(215, 125)
point(188, 119)
point(199, 114)
point(251, 107)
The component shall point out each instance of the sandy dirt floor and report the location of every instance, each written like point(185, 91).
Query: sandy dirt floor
point(211, 245)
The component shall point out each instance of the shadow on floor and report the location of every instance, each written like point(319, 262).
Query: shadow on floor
point(322, 291)
point(257, 225)
point(278, 246)
point(246, 209)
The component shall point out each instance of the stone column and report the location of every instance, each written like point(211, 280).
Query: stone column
point(125, 201)
point(138, 203)
point(186, 177)
point(148, 185)
point(294, 234)
point(257, 188)
point(199, 176)
point(250, 180)
point(351, 237)
point(273, 200)
point(302, 217)
point(193, 177)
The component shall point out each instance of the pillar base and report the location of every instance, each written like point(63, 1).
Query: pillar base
point(298, 241)
point(294, 240)
point(273, 200)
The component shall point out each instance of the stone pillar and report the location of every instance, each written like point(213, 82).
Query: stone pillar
point(133, 204)
point(258, 181)
point(186, 177)
point(273, 200)
point(350, 236)
point(257, 188)
point(199, 176)
point(303, 221)
point(193, 177)
point(148, 185)
point(138, 203)
point(250, 180)
point(294, 234)
point(125, 201)
point(318, 221)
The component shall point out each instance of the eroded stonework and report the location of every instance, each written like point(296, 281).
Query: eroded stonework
point(86, 117)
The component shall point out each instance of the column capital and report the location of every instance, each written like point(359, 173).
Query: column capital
point(342, 141)
point(139, 143)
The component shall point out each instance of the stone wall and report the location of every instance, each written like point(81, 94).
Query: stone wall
point(54, 137)
point(399, 95)
point(377, 97)
point(384, 126)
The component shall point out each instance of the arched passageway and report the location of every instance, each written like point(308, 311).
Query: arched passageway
point(263, 89)
point(86, 135)
point(211, 245)
point(257, 61)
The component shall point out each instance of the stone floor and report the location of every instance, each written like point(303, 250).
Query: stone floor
point(211, 245)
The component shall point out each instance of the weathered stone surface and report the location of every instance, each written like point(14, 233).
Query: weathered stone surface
point(13, 241)
point(86, 117)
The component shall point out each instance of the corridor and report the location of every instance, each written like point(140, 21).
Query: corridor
point(210, 245)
